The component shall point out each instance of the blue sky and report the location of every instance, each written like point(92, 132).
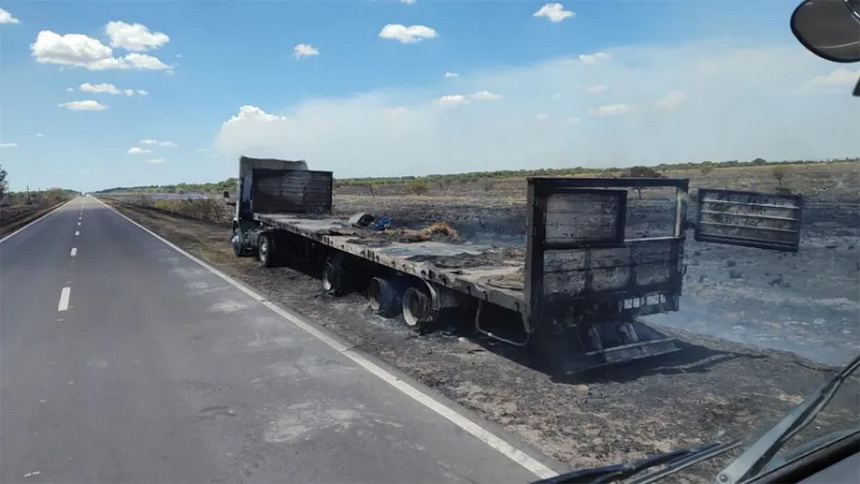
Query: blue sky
point(661, 81)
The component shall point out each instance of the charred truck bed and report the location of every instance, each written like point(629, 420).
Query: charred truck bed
point(576, 291)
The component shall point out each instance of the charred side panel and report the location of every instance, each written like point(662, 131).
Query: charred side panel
point(577, 257)
point(291, 191)
point(749, 219)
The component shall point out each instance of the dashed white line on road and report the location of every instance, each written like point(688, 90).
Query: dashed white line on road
point(77, 233)
point(64, 299)
point(79, 223)
point(74, 251)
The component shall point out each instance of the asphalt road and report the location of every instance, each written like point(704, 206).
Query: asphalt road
point(121, 360)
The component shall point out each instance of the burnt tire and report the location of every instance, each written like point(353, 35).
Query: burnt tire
point(236, 243)
point(416, 310)
point(332, 279)
point(266, 251)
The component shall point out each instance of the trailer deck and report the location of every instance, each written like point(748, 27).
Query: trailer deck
point(494, 274)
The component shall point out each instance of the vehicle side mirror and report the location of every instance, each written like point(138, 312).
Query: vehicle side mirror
point(829, 29)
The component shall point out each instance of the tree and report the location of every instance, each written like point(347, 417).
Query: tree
point(778, 172)
point(3, 183)
point(642, 172)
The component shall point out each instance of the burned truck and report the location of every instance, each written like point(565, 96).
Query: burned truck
point(575, 291)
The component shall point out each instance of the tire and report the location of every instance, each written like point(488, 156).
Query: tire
point(266, 251)
point(416, 309)
point(236, 243)
point(332, 282)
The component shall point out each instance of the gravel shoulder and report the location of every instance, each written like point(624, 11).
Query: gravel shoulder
point(711, 389)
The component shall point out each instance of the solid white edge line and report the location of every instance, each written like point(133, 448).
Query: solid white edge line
point(33, 222)
point(64, 299)
point(74, 251)
point(508, 450)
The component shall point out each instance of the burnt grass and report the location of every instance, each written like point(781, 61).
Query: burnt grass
point(712, 390)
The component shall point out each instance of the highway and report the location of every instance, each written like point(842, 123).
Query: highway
point(123, 360)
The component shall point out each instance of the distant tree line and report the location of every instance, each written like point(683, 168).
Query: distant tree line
point(420, 184)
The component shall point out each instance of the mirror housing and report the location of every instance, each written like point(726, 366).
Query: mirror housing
point(829, 29)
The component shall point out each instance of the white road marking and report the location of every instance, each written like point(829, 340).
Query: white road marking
point(74, 251)
point(64, 299)
point(4, 239)
point(533, 465)
point(77, 233)
point(79, 223)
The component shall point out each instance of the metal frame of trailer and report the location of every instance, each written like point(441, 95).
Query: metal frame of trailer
point(580, 286)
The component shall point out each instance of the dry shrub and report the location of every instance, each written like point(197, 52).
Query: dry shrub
point(436, 230)
point(205, 209)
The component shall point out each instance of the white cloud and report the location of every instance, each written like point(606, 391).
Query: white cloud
point(106, 88)
point(141, 92)
point(7, 18)
point(485, 96)
point(134, 37)
point(451, 75)
point(408, 2)
point(162, 144)
point(134, 150)
point(452, 100)
point(303, 51)
point(611, 109)
point(87, 105)
point(156, 160)
point(145, 62)
point(572, 120)
point(592, 58)
point(759, 114)
point(39, 135)
point(8, 145)
point(202, 150)
point(671, 101)
point(253, 114)
point(541, 116)
point(407, 35)
point(837, 78)
point(555, 12)
point(596, 88)
point(79, 50)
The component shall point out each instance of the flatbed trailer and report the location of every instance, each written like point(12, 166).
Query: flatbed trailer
point(577, 289)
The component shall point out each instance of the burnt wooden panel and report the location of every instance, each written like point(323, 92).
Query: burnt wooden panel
point(291, 191)
point(638, 263)
point(750, 219)
point(576, 250)
point(585, 216)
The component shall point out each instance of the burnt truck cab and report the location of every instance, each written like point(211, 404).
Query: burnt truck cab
point(267, 185)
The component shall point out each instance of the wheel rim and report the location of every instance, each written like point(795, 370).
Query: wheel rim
point(374, 294)
point(264, 250)
point(327, 275)
point(416, 308)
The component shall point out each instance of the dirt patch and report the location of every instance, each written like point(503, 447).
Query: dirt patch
point(13, 218)
point(710, 390)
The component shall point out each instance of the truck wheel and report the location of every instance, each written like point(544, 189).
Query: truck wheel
point(384, 297)
point(266, 252)
point(416, 309)
point(332, 279)
point(236, 242)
